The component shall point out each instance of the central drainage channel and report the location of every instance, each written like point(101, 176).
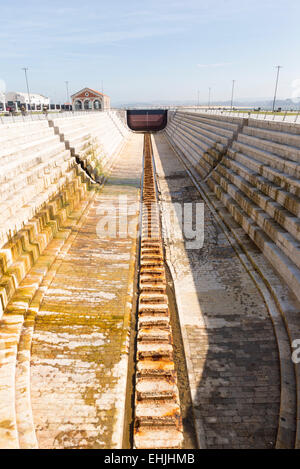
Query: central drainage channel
point(157, 414)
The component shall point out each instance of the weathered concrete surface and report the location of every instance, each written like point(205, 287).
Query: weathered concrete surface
point(79, 350)
point(64, 361)
point(54, 222)
point(228, 337)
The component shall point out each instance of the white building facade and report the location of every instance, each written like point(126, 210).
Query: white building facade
point(19, 98)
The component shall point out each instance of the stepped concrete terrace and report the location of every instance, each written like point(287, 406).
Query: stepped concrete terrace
point(68, 291)
point(65, 294)
point(247, 172)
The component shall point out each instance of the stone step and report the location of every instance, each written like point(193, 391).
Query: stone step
point(286, 268)
point(158, 287)
point(207, 158)
point(282, 216)
point(285, 198)
point(153, 298)
point(285, 127)
point(199, 141)
point(156, 413)
point(27, 148)
point(154, 334)
point(153, 308)
point(159, 438)
point(157, 279)
point(149, 320)
point(276, 136)
point(210, 138)
point(232, 124)
point(22, 129)
point(156, 388)
point(19, 255)
point(12, 169)
point(31, 191)
point(214, 133)
point(195, 159)
point(16, 140)
point(16, 375)
point(283, 239)
point(285, 151)
point(155, 349)
point(276, 162)
point(195, 152)
point(154, 367)
point(40, 174)
point(23, 214)
point(289, 183)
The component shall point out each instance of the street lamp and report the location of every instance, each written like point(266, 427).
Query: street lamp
point(233, 83)
point(2, 98)
point(26, 78)
point(209, 96)
point(276, 86)
point(67, 88)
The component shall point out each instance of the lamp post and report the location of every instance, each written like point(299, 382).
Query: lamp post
point(276, 86)
point(233, 83)
point(2, 95)
point(26, 78)
point(67, 88)
point(209, 96)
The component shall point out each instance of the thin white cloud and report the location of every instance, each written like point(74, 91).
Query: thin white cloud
point(105, 37)
point(217, 65)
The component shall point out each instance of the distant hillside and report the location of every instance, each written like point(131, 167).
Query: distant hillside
point(264, 103)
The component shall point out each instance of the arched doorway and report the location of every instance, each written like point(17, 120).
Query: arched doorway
point(78, 105)
point(97, 104)
point(87, 105)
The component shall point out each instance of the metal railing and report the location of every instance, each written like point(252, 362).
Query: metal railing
point(285, 116)
point(12, 119)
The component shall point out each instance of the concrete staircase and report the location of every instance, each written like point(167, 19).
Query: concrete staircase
point(37, 159)
point(92, 139)
point(44, 194)
point(26, 269)
point(203, 140)
point(38, 169)
point(258, 181)
point(253, 168)
point(253, 186)
point(34, 166)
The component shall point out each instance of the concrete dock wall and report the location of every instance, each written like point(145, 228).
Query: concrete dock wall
point(253, 168)
point(44, 165)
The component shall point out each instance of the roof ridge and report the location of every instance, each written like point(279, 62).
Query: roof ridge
point(91, 89)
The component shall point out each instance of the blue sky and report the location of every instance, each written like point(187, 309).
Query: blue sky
point(151, 50)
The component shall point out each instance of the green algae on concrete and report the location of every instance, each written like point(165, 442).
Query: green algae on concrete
point(79, 349)
point(17, 323)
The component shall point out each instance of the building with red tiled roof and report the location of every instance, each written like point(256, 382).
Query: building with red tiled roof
point(89, 99)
